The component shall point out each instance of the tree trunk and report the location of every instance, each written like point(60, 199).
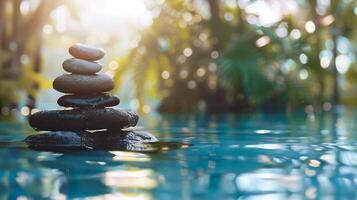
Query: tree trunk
point(334, 30)
point(316, 48)
point(216, 24)
point(37, 67)
point(2, 24)
point(335, 76)
point(16, 43)
point(321, 90)
point(15, 40)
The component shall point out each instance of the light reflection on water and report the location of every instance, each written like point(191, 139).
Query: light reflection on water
point(229, 157)
point(130, 156)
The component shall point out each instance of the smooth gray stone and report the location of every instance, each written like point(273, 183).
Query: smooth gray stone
point(92, 101)
point(104, 140)
point(83, 119)
point(83, 84)
point(79, 66)
point(86, 52)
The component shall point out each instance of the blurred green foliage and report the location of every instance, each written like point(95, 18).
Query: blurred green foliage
point(216, 56)
point(209, 55)
point(20, 51)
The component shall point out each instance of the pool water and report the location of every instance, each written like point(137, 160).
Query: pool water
point(255, 156)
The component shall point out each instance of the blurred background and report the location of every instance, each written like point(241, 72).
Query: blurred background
point(176, 56)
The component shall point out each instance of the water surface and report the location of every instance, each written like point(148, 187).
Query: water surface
point(256, 156)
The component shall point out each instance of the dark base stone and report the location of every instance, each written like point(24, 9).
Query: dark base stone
point(91, 101)
point(100, 140)
point(83, 119)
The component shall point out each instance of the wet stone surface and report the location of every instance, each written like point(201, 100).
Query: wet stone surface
point(93, 101)
point(84, 140)
point(83, 119)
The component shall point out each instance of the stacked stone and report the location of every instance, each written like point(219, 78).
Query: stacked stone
point(88, 99)
point(86, 94)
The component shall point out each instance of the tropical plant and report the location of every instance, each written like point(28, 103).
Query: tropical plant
point(20, 49)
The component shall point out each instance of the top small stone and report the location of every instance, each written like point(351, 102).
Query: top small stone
point(86, 52)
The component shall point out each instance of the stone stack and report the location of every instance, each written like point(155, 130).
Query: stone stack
point(87, 100)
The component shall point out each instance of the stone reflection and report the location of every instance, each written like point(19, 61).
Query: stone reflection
point(79, 174)
point(98, 173)
point(23, 181)
point(82, 173)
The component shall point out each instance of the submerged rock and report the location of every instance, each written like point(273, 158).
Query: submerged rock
point(83, 84)
point(79, 66)
point(83, 119)
point(93, 101)
point(53, 139)
point(86, 52)
point(84, 140)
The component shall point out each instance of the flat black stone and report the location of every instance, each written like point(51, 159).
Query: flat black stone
point(84, 140)
point(92, 101)
point(83, 119)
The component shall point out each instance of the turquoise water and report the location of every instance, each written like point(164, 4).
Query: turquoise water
point(257, 156)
